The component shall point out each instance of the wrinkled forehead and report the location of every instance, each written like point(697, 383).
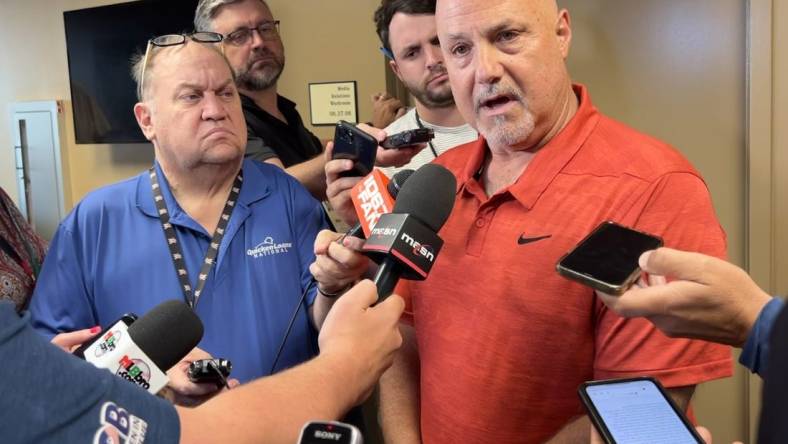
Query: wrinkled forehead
point(231, 17)
point(461, 16)
point(190, 63)
point(407, 30)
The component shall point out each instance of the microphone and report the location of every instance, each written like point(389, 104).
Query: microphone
point(143, 352)
point(371, 202)
point(405, 242)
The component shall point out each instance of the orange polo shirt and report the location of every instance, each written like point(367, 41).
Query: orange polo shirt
point(504, 341)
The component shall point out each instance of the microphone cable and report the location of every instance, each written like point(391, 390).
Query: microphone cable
point(301, 300)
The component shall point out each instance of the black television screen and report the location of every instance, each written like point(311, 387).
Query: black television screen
point(100, 42)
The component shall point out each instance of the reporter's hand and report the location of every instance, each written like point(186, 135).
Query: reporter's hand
point(362, 338)
point(393, 157)
point(69, 342)
point(706, 298)
point(181, 391)
point(337, 266)
point(386, 109)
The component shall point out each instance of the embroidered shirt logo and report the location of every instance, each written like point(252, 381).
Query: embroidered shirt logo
point(118, 426)
point(269, 248)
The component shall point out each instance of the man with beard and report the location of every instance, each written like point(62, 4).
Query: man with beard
point(409, 37)
point(255, 50)
point(495, 341)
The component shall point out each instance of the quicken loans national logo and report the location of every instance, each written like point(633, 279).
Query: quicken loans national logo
point(269, 248)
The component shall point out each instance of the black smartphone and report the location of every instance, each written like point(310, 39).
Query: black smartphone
point(636, 410)
point(108, 336)
point(214, 371)
point(408, 138)
point(356, 145)
point(607, 259)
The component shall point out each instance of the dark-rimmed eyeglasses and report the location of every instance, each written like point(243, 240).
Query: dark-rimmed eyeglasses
point(242, 36)
point(174, 40)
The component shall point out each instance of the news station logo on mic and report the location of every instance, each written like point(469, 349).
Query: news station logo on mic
point(108, 342)
point(371, 199)
point(134, 370)
point(408, 240)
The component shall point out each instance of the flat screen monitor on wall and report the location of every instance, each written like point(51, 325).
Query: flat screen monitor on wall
point(100, 42)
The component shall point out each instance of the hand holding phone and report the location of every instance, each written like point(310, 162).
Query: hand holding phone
point(607, 259)
point(408, 138)
point(356, 145)
point(636, 410)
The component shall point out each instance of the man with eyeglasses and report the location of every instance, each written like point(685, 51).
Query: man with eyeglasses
point(233, 237)
point(256, 52)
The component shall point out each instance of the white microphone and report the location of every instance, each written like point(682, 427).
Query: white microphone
point(143, 351)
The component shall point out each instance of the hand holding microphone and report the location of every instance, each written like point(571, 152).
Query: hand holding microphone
point(142, 351)
point(405, 242)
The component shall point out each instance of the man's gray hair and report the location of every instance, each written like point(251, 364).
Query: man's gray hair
point(207, 10)
point(138, 64)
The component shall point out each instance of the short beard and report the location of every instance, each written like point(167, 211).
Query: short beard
point(261, 79)
point(433, 98)
point(508, 133)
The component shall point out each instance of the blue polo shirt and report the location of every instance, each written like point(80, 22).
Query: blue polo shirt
point(109, 257)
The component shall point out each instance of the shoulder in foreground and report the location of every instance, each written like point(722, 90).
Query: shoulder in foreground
point(114, 195)
point(272, 176)
point(616, 148)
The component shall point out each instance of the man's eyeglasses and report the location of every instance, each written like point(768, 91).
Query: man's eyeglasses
point(174, 40)
point(267, 31)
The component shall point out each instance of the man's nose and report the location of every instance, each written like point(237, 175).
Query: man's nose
point(213, 108)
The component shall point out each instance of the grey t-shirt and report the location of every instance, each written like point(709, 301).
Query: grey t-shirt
point(47, 395)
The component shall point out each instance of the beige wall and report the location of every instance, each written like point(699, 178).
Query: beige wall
point(325, 41)
point(677, 70)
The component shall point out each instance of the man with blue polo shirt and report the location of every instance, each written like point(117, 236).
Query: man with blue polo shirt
point(234, 238)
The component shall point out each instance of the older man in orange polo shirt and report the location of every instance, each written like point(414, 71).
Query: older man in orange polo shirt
point(498, 342)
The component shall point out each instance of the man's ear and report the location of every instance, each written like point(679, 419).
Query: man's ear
point(144, 119)
point(563, 32)
point(395, 68)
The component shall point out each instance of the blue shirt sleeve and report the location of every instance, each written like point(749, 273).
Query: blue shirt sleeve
point(755, 353)
point(52, 396)
point(61, 301)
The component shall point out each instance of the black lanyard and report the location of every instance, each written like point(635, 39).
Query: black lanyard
point(175, 248)
point(418, 122)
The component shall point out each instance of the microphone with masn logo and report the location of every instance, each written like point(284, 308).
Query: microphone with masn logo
point(373, 197)
point(151, 345)
point(405, 242)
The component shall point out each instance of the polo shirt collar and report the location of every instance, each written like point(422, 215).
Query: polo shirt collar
point(257, 187)
point(548, 161)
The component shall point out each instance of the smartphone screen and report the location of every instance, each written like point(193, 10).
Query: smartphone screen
point(608, 258)
point(636, 411)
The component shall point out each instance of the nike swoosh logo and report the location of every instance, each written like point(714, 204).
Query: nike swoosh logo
point(522, 240)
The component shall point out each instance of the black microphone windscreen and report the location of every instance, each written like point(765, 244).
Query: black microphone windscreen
point(167, 333)
point(398, 181)
point(428, 195)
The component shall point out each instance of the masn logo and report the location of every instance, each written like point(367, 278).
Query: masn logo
point(425, 251)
